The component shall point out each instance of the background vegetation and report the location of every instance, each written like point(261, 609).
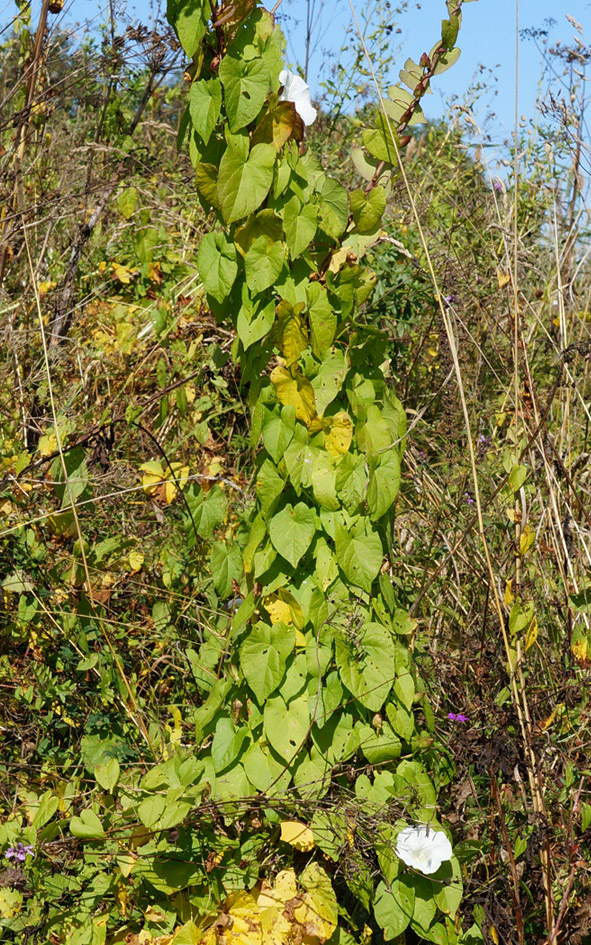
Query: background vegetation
point(122, 566)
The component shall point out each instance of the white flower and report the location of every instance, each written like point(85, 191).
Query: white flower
point(295, 90)
point(423, 848)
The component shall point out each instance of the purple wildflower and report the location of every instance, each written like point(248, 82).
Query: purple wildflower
point(457, 717)
point(498, 185)
point(468, 499)
point(20, 851)
point(450, 299)
point(483, 444)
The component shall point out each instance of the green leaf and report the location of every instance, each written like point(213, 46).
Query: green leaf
point(107, 774)
point(206, 181)
point(448, 896)
point(254, 323)
point(329, 380)
point(373, 433)
point(87, 826)
point(384, 483)
point(291, 531)
point(359, 553)
point(300, 224)
point(269, 485)
point(48, 805)
point(397, 107)
point(227, 743)
point(226, 565)
point(368, 209)
point(77, 475)
point(244, 180)
point(446, 61)
point(425, 907)
point(321, 317)
point(333, 208)
point(263, 263)
point(189, 21)
point(263, 656)
point(449, 31)
point(380, 142)
point(217, 263)
point(366, 664)
point(127, 202)
point(521, 616)
point(286, 726)
point(278, 430)
point(517, 477)
point(393, 907)
point(323, 481)
point(379, 746)
point(208, 510)
point(246, 85)
point(151, 809)
point(205, 102)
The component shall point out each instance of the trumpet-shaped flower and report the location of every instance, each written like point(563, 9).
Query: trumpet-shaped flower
point(297, 91)
point(423, 848)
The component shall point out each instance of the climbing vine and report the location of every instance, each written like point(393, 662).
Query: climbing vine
point(306, 807)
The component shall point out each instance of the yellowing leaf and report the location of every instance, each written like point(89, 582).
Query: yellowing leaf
point(44, 287)
point(508, 596)
point(282, 607)
point(532, 634)
point(297, 835)
point(317, 913)
point(123, 273)
point(47, 444)
point(239, 923)
point(271, 901)
point(165, 484)
point(503, 278)
point(135, 560)
point(580, 649)
point(300, 639)
point(526, 539)
point(290, 332)
point(338, 440)
point(295, 391)
point(543, 724)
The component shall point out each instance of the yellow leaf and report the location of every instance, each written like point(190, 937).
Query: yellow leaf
point(532, 634)
point(126, 863)
point(542, 725)
point(503, 278)
point(239, 924)
point(47, 444)
point(295, 391)
point(493, 934)
point(170, 491)
point(135, 560)
point(271, 901)
point(297, 835)
point(526, 539)
point(290, 332)
point(44, 287)
point(318, 913)
point(123, 273)
point(338, 440)
point(300, 639)
point(580, 649)
point(508, 596)
point(339, 258)
point(282, 607)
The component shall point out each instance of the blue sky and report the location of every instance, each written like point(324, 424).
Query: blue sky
point(487, 40)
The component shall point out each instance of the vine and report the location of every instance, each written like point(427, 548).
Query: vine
point(305, 809)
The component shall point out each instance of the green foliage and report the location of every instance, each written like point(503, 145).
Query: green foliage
point(220, 640)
